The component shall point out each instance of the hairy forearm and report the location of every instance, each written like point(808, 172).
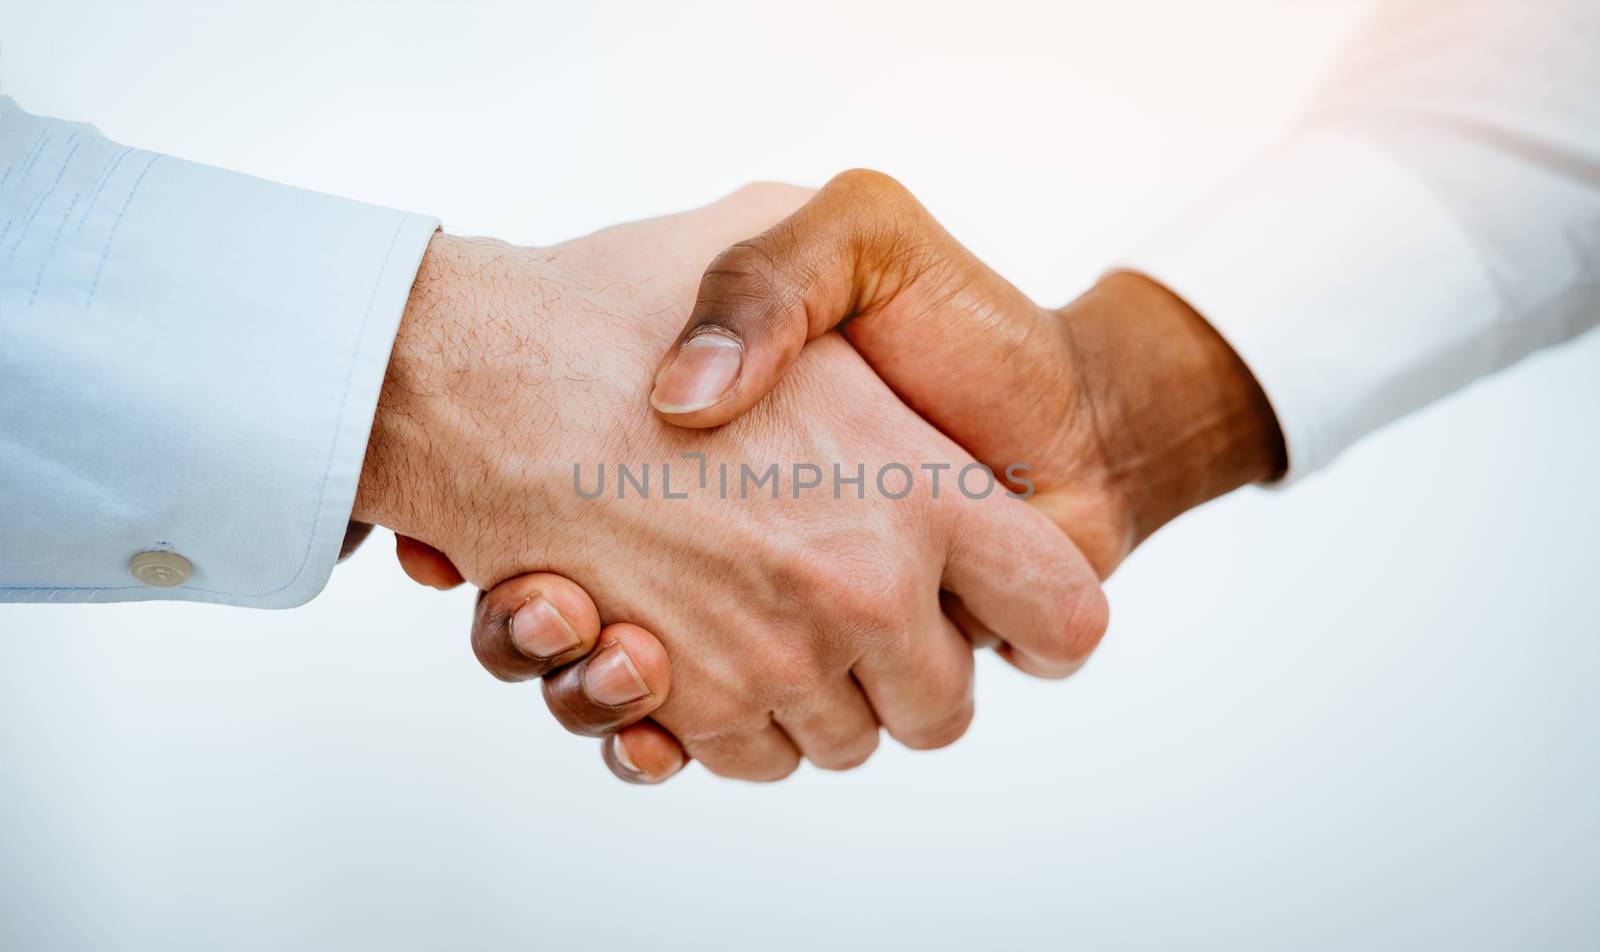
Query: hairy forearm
point(387, 469)
point(1179, 417)
point(390, 471)
point(430, 431)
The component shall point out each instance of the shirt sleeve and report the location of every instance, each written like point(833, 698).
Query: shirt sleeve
point(1433, 218)
point(190, 360)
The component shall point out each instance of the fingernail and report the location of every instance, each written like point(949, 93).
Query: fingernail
point(612, 679)
point(539, 631)
point(701, 374)
point(619, 750)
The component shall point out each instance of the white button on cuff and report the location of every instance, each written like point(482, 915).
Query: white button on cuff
point(161, 569)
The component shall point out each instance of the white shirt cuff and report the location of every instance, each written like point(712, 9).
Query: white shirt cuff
point(1340, 280)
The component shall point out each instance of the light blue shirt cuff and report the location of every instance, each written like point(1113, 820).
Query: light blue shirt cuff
point(190, 359)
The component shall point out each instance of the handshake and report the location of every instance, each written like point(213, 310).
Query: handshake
point(763, 531)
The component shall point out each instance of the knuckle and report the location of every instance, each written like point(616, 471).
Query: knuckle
point(784, 671)
point(850, 753)
point(801, 567)
point(952, 682)
point(1087, 621)
point(763, 770)
point(792, 676)
point(745, 262)
point(848, 591)
point(746, 284)
point(875, 600)
point(1083, 624)
point(779, 770)
point(744, 754)
point(941, 731)
point(870, 185)
point(1065, 607)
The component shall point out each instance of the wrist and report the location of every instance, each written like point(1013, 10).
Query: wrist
point(1178, 417)
point(415, 411)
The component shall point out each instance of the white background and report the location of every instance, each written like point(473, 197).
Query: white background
point(1360, 713)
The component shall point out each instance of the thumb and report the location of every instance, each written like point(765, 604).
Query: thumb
point(844, 254)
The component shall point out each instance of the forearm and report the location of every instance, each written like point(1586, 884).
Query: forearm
point(1179, 418)
point(396, 484)
point(435, 446)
